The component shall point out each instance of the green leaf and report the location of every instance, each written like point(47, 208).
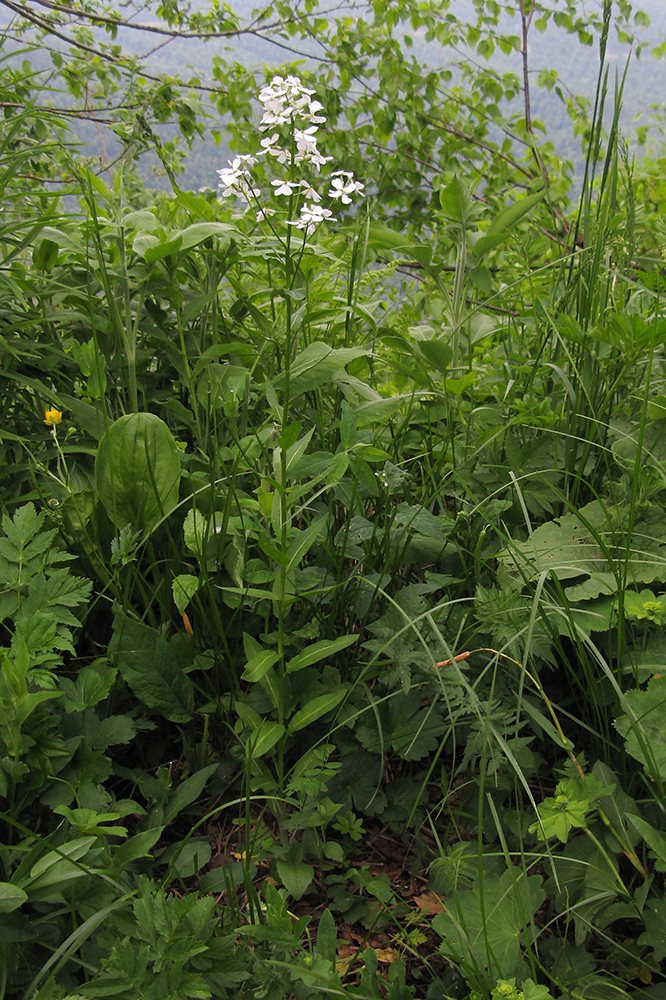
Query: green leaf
point(317, 365)
point(574, 798)
point(137, 471)
point(402, 724)
point(295, 878)
point(456, 202)
point(111, 731)
point(200, 231)
point(187, 857)
point(383, 238)
point(319, 651)
point(93, 684)
point(183, 588)
point(141, 219)
point(644, 726)
point(654, 935)
point(327, 940)
point(504, 221)
point(437, 353)
point(147, 664)
point(644, 606)
point(187, 792)
point(566, 547)
point(457, 386)
point(52, 872)
point(259, 665)
point(62, 239)
point(655, 840)
point(369, 453)
point(45, 255)
point(136, 847)
point(303, 542)
point(315, 709)
point(157, 250)
point(265, 737)
point(488, 924)
point(11, 897)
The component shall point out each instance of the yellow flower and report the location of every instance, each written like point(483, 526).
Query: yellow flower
point(52, 417)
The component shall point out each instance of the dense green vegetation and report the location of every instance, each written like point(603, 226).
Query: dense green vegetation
point(332, 562)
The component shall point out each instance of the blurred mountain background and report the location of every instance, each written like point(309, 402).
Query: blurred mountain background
point(560, 66)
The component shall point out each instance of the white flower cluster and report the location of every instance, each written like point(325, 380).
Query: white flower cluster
point(236, 179)
point(287, 102)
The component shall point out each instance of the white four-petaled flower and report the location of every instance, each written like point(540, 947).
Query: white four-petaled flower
point(343, 186)
point(236, 178)
point(285, 187)
point(287, 102)
point(311, 217)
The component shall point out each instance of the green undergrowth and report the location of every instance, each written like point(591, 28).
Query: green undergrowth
point(332, 597)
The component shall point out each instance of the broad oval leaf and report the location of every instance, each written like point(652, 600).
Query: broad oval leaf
point(137, 471)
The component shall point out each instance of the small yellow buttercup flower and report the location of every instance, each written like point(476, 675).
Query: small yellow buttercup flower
point(52, 417)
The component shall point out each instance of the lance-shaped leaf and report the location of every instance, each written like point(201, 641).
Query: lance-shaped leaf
point(319, 651)
point(504, 221)
point(315, 709)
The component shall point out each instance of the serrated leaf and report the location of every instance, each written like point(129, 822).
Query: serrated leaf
point(574, 798)
point(112, 731)
point(654, 935)
point(412, 732)
point(564, 547)
point(488, 927)
point(147, 664)
point(644, 725)
point(183, 588)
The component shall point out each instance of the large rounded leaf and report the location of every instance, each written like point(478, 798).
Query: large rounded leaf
point(137, 470)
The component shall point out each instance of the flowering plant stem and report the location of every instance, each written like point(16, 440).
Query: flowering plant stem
point(284, 518)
